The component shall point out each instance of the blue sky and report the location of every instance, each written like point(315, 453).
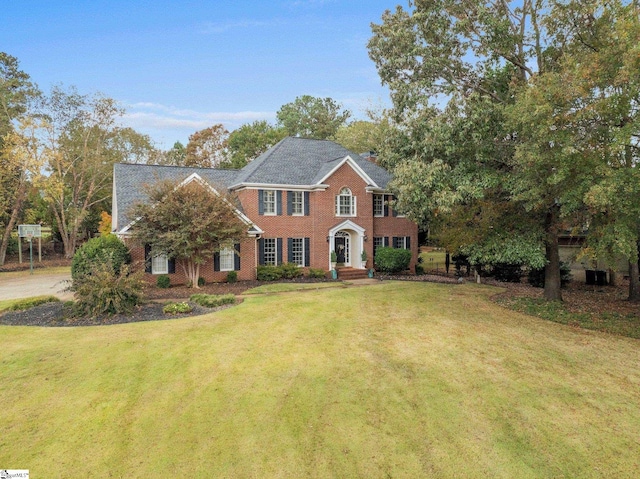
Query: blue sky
point(178, 67)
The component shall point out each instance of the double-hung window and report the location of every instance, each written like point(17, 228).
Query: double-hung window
point(402, 242)
point(345, 203)
point(297, 251)
point(269, 202)
point(160, 264)
point(378, 205)
point(297, 203)
point(270, 251)
point(227, 258)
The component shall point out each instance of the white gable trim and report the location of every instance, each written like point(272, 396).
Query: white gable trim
point(347, 225)
point(196, 177)
point(276, 186)
point(350, 161)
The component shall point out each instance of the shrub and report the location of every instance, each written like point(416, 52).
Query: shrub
point(212, 300)
point(419, 268)
point(98, 251)
point(392, 260)
point(232, 277)
point(201, 281)
point(317, 273)
point(536, 276)
point(507, 272)
point(177, 308)
point(290, 270)
point(163, 281)
point(107, 291)
point(29, 303)
point(268, 273)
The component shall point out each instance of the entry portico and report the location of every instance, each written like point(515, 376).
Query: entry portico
point(347, 240)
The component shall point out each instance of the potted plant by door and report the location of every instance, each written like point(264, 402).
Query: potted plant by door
point(334, 259)
point(363, 257)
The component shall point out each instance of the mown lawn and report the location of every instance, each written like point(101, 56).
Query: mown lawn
point(393, 380)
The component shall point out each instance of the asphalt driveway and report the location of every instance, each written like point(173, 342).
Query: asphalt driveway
point(16, 285)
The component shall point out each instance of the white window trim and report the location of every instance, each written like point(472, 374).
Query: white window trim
point(302, 263)
point(275, 251)
point(264, 203)
point(381, 214)
point(157, 259)
point(224, 254)
point(354, 209)
point(301, 193)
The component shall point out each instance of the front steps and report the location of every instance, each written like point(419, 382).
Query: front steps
point(347, 274)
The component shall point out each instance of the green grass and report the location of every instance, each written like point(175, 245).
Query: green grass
point(397, 379)
point(286, 287)
point(36, 271)
point(614, 323)
point(25, 303)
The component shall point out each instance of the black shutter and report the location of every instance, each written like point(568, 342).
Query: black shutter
point(290, 250)
point(307, 249)
point(306, 203)
point(279, 250)
point(260, 202)
point(236, 257)
point(289, 203)
point(407, 242)
point(171, 265)
point(396, 241)
point(386, 241)
point(279, 202)
point(216, 261)
point(261, 251)
point(147, 258)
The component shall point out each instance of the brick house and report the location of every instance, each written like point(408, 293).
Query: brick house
point(301, 200)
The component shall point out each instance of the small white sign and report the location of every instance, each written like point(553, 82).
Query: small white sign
point(29, 231)
point(14, 473)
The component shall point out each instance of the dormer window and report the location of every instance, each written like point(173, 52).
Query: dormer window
point(345, 203)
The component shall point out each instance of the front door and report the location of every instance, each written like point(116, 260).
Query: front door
point(341, 247)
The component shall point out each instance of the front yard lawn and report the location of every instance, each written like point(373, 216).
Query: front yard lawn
point(399, 379)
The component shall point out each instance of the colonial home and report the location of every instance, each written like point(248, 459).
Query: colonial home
point(301, 200)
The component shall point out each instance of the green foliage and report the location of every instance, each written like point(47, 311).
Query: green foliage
point(317, 273)
point(107, 290)
point(419, 269)
point(207, 148)
point(177, 308)
point(250, 141)
point(536, 276)
point(290, 270)
point(201, 281)
point(29, 303)
point(232, 277)
point(507, 272)
point(163, 281)
point(392, 260)
point(312, 117)
point(212, 300)
point(97, 251)
point(268, 273)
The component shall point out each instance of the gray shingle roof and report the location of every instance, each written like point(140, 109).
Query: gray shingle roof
point(303, 161)
point(130, 182)
point(293, 161)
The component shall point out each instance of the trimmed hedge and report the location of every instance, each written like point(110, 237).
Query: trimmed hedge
point(212, 300)
point(232, 277)
point(163, 281)
point(317, 273)
point(177, 308)
point(392, 260)
point(29, 303)
point(268, 273)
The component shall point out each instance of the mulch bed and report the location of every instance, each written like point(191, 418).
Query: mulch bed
point(54, 314)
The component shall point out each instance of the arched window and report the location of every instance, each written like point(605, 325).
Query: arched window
point(345, 203)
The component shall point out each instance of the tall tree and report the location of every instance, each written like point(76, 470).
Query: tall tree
point(480, 58)
point(175, 156)
point(22, 158)
point(312, 117)
point(251, 140)
point(361, 136)
point(206, 224)
point(87, 142)
point(207, 148)
point(16, 91)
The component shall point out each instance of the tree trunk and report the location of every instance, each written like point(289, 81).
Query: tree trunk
point(634, 282)
point(20, 197)
point(552, 269)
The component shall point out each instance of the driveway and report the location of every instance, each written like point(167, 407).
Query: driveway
point(15, 285)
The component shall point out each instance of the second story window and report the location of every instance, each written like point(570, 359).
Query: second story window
point(297, 203)
point(269, 202)
point(378, 205)
point(345, 203)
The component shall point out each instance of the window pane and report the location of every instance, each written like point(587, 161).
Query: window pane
point(160, 264)
point(269, 201)
point(378, 205)
point(270, 251)
point(297, 207)
point(226, 259)
point(297, 251)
